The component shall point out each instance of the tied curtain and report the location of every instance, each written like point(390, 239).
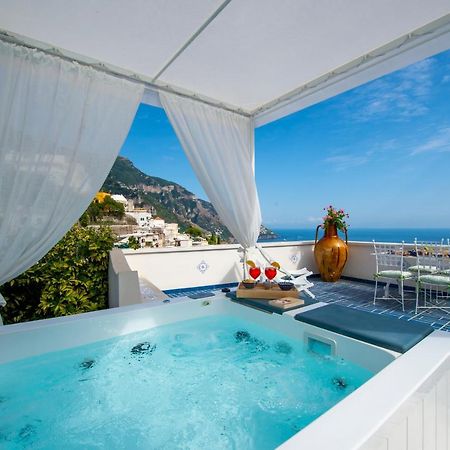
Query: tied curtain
point(219, 145)
point(61, 128)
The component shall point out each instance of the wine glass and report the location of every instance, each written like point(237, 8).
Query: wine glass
point(254, 272)
point(270, 272)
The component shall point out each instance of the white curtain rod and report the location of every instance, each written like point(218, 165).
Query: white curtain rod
point(15, 39)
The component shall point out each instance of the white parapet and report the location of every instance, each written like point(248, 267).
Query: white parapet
point(123, 283)
point(174, 268)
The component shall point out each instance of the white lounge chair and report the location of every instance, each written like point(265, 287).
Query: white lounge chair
point(427, 253)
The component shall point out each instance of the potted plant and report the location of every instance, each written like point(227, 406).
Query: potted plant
point(331, 252)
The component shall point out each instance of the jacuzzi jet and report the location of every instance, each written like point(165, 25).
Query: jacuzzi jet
point(27, 432)
point(340, 382)
point(257, 345)
point(87, 364)
point(242, 336)
point(283, 347)
point(144, 348)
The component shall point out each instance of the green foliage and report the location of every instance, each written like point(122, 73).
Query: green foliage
point(72, 278)
point(124, 171)
point(112, 208)
point(133, 243)
point(194, 231)
point(98, 212)
point(214, 239)
point(336, 217)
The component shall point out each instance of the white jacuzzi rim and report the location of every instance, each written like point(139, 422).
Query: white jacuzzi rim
point(68, 331)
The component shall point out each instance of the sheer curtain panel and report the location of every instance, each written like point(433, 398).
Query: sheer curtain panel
point(61, 128)
point(220, 147)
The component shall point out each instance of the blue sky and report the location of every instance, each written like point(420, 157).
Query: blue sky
point(380, 151)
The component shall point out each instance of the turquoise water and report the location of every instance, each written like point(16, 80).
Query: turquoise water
point(368, 234)
point(215, 383)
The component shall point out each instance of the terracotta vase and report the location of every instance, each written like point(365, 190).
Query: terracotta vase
point(331, 254)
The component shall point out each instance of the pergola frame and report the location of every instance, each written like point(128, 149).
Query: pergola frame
point(418, 44)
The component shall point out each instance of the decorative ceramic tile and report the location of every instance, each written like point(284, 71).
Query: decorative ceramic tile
point(295, 258)
point(203, 266)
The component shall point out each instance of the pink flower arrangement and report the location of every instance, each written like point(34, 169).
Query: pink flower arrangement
point(336, 217)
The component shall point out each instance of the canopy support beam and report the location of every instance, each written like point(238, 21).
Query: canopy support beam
point(192, 39)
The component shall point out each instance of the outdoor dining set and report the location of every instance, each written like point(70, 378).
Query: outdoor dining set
point(421, 268)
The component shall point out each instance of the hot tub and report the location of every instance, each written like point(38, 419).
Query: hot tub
point(205, 373)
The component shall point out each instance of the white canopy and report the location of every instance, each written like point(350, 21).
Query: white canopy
point(264, 58)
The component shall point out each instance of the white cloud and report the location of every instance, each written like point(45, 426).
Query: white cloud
point(438, 142)
point(344, 162)
point(314, 219)
point(397, 96)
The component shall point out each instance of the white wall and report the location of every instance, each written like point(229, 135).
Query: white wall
point(123, 283)
point(173, 268)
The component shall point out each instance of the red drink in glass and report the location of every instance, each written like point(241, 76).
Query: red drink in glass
point(270, 272)
point(254, 272)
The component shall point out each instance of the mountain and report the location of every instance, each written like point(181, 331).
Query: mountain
point(172, 202)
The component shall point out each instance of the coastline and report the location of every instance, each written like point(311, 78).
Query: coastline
point(365, 234)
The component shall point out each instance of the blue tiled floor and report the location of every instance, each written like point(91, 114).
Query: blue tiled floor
point(358, 295)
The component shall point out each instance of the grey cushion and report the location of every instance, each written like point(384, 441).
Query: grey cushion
point(383, 331)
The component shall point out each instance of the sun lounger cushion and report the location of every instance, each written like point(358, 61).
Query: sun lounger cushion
point(383, 331)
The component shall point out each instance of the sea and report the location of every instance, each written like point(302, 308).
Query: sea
point(367, 234)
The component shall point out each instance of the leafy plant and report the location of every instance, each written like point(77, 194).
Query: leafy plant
point(133, 243)
point(194, 231)
point(100, 212)
point(72, 278)
point(335, 217)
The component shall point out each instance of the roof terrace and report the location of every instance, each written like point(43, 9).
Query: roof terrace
point(73, 75)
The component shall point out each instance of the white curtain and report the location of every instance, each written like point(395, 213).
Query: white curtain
point(61, 128)
point(220, 147)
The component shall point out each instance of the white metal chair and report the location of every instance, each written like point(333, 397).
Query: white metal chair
point(433, 277)
point(390, 266)
point(427, 254)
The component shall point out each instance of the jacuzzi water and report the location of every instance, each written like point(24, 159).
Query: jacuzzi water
point(210, 383)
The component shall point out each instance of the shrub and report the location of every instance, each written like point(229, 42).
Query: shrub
point(133, 243)
point(194, 231)
point(72, 278)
